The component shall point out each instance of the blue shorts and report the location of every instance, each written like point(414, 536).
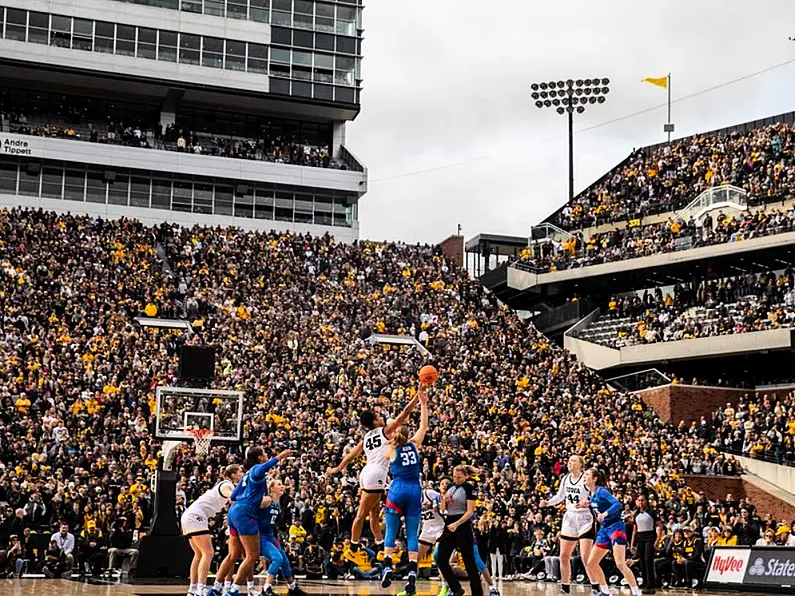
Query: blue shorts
point(241, 521)
point(405, 498)
point(610, 535)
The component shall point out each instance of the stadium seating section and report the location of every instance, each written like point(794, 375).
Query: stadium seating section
point(290, 315)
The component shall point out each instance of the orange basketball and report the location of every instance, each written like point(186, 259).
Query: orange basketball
point(428, 375)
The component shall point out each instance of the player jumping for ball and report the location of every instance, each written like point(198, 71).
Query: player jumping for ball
point(405, 495)
point(372, 478)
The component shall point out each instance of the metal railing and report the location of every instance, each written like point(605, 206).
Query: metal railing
point(714, 198)
point(637, 381)
point(548, 231)
point(349, 160)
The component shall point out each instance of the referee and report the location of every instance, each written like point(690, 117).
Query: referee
point(643, 541)
point(458, 506)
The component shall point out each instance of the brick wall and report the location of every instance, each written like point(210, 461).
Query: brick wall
point(716, 488)
point(453, 248)
point(674, 403)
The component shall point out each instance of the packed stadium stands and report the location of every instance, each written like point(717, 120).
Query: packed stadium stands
point(643, 241)
point(717, 307)
point(289, 315)
point(668, 177)
point(761, 426)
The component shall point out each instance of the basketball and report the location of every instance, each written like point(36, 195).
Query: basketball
point(428, 375)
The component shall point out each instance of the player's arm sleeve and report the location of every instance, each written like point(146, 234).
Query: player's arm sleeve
point(615, 504)
point(560, 496)
point(260, 471)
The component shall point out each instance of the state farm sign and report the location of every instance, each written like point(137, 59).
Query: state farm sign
point(728, 566)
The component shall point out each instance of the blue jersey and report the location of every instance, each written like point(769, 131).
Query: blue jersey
point(252, 487)
point(267, 519)
point(603, 502)
point(405, 465)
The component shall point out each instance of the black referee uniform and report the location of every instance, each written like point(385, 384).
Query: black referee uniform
point(646, 528)
point(462, 538)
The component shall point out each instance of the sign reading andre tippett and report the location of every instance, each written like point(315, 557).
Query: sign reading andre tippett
point(15, 147)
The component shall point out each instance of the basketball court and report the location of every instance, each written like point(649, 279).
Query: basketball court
point(37, 587)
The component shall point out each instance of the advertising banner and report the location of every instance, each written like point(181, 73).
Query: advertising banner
point(763, 567)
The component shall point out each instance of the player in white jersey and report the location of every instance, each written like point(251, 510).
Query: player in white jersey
point(578, 524)
point(372, 478)
point(432, 520)
point(195, 523)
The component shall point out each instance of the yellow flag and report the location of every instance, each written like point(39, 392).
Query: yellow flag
point(660, 82)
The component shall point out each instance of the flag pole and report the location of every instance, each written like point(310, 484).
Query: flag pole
point(669, 107)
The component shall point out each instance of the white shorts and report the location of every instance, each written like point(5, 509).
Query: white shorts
point(373, 478)
point(431, 532)
point(194, 524)
point(578, 524)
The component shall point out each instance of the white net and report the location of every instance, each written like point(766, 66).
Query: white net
point(202, 439)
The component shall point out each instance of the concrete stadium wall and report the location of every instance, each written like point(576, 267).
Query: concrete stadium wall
point(781, 476)
point(600, 357)
point(688, 403)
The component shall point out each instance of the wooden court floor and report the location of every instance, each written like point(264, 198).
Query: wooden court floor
point(45, 587)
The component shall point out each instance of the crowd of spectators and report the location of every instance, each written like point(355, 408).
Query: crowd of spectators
point(669, 236)
point(760, 426)
point(286, 149)
point(277, 149)
point(289, 316)
point(749, 302)
point(670, 176)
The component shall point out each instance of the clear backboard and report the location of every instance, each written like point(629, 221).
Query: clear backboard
point(179, 408)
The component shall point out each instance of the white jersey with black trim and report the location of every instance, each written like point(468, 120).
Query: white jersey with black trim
point(374, 444)
point(572, 491)
point(212, 502)
point(430, 507)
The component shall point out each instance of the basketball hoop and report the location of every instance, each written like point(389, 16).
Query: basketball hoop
point(202, 439)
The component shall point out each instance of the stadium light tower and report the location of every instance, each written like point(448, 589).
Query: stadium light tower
point(567, 97)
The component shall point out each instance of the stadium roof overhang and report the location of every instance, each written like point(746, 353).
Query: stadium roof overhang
point(129, 87)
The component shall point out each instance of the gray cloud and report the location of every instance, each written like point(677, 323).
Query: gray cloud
point(448, 81)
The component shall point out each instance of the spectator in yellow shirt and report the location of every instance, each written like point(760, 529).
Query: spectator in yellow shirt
point(298, 532)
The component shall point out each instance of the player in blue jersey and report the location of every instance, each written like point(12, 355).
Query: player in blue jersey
point(243, 517)
point(404, 498)
point(269, 543)
point(612, 533)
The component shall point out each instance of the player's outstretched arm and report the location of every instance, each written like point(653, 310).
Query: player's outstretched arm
point(558, 498)
point(402, 417)
point(352, 455)
point(260, 471)
point(419, 436)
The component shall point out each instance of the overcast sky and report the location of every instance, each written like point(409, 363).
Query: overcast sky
point(450, 135)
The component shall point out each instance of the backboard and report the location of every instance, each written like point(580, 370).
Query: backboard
point(178, 408)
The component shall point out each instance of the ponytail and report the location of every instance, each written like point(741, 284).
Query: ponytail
point(598, 475)
point(468, 471)
point(400, 437)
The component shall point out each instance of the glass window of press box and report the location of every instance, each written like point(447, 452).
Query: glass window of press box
point(342, 18)
point(187, 194)
point(333, 66)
